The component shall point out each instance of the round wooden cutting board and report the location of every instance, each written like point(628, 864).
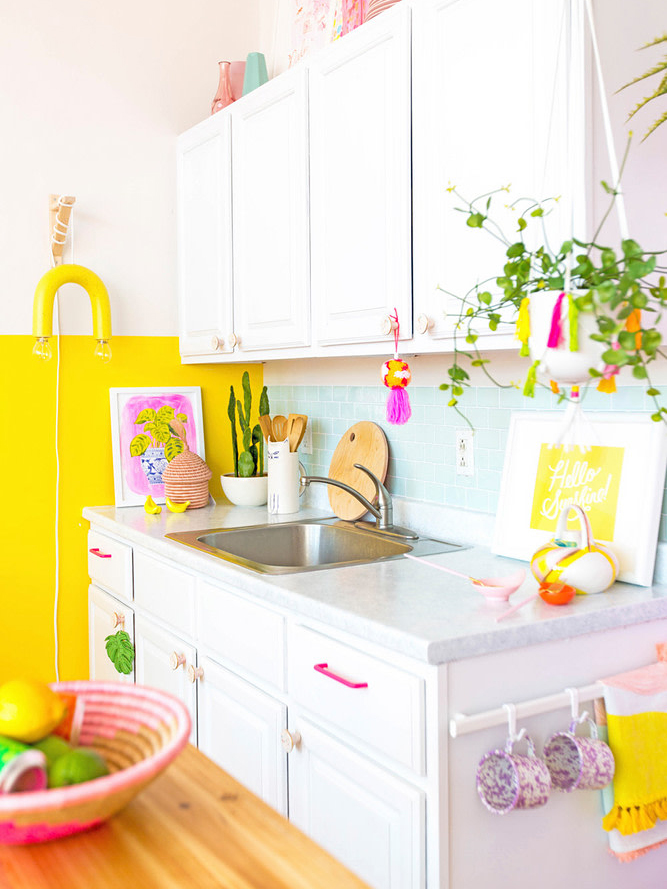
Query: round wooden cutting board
point(363, 443)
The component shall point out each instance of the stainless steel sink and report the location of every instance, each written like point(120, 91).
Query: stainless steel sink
point(309, 545)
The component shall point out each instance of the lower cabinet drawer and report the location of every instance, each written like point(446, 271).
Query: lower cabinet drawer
point(110, 564)
point(358, 695)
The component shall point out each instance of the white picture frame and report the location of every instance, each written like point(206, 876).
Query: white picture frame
point(621, 486)
point(134, 476)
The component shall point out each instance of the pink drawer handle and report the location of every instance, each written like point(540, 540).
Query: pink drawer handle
point(323, 668)
point(96, 552)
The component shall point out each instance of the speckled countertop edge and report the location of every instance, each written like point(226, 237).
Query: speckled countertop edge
point(401, 605)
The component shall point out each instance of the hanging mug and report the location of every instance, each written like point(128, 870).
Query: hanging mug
point(579, 763)
point(508, 780)
point(589, 567)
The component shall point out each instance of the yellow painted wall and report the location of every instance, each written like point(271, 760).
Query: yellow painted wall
point(28, 472)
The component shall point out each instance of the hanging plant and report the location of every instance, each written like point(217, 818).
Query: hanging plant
point(620, 292)
point(660, 90)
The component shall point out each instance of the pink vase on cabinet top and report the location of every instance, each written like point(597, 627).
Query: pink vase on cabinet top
point(223, 96)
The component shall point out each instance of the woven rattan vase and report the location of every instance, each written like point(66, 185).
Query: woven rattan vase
point(186, 478)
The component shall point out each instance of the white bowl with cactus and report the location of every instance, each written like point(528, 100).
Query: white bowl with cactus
point(247, 485)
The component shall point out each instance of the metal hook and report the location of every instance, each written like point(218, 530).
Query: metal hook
point(574, 706)
point(510, 709)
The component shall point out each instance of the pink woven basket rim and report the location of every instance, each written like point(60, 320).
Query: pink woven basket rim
point(63, 797)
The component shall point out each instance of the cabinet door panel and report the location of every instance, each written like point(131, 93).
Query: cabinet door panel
point(205, 238)
point(162, 662)
point(360, 182)
point(239, 729)
point(270, 214)
point(106, 616)
point(490, 109)
point(367, 818)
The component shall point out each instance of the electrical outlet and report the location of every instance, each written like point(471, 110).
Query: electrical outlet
point(306, 446)
point(465, 453)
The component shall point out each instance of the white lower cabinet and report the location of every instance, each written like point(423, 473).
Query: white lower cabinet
point(362, 814)
point(240, 728)
point(106, 616)
point(167, 662)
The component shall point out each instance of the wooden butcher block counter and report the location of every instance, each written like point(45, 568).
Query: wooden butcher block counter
point(193, 827)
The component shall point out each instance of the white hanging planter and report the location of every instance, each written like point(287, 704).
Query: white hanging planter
point(568, 368)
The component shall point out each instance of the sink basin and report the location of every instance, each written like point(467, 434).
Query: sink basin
point(311, 545)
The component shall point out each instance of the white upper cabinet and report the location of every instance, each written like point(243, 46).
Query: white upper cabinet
point(270, 215)
point(490, 109)
point(205, 238)
point(361, 265)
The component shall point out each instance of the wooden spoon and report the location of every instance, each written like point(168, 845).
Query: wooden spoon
point(296, 432)
point(303, 417)
point(265, 426)
point(278, 426)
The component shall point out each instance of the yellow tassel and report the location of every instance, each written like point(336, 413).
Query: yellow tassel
point(529, 386)
point(523, 326)
point(608, 386)
point(573, 323)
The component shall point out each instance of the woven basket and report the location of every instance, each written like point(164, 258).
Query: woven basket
point(137, 730)
point(187, 478)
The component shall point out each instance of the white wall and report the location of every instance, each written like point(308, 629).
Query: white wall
point(93, 96)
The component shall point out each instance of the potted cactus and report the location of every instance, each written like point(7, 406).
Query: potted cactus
point(247, 484)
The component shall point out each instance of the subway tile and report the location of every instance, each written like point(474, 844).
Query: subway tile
point(488, 396)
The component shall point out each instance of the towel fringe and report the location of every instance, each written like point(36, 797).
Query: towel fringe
point(633, 819)
point(625, 857)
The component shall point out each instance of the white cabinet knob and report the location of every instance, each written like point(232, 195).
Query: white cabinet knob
point(233, 340)
point(289, 740)
point(195, 673)
point(387, 325)
point(118, 620)
point(424, 323)
point(216, 343)
point(176, 660)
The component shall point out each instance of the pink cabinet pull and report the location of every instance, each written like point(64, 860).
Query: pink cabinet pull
point(96, 552)
point(323, 668)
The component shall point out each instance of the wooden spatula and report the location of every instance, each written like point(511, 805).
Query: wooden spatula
point(278, 427)
point(295, 433)
point(303, 417)
point(265, 426)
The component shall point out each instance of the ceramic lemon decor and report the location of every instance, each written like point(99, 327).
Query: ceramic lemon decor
point(29, 710)
point(588, 566)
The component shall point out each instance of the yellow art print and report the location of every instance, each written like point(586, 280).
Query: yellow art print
point(590, 479)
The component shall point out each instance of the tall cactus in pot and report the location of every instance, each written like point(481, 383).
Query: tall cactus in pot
point(250, 461)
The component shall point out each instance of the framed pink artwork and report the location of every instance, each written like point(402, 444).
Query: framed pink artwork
point(145, 439)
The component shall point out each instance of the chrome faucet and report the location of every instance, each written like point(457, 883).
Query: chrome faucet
point(383, 512)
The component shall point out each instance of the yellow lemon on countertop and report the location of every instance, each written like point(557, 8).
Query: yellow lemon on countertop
point(151, 507)
point(177, 507)
point(29, 710)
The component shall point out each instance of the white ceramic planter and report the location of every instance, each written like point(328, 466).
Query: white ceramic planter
point(245, 491)
point(561, 365)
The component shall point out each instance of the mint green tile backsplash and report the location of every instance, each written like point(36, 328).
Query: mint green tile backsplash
point(421, 453)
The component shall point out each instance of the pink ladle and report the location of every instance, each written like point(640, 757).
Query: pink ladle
point(497, 588)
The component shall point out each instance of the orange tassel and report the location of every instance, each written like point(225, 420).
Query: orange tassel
point(633, 324)
point(554, 387)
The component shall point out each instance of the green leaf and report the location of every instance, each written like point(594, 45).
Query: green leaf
point(146, 414)
point(444, 387)
point(139, 444)
point(246, 465)
point(516, 249)
point(161, 433)
point(165, 413)
point(264, 403)
point(120, 651)
point(182, 417)
point(173, 448)
point(484, 297)
point(538, 211)
point(626, 339)
point(631, 249)
point(522, 223)
point(653, 392)
point(475, 220)
point(639, 371)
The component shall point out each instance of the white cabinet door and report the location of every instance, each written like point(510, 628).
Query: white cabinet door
point(360, 212)
point(270, 215)
point(106, 616)
point(205, 238)
point(239, 729)
point(367, 818)
point(163, 661)
point(489, 110)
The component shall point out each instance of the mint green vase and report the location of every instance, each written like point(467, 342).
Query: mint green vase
point(255, 72)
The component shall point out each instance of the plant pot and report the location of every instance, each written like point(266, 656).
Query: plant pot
point(245, 491)
point(153, 464)
point(560, 364)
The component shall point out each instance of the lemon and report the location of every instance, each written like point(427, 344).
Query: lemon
point(151, 507)
point(29, 710)
point(177, 507)
point(76, 766)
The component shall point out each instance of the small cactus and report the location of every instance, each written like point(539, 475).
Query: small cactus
point(250, 461)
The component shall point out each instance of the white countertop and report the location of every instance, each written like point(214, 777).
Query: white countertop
point(399, 604)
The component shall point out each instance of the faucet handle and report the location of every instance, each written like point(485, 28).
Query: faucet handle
point(383, 495)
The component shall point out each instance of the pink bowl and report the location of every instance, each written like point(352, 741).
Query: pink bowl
point(137, 730)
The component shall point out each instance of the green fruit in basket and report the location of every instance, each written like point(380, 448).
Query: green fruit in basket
point(76, 766)
point(53, 747)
